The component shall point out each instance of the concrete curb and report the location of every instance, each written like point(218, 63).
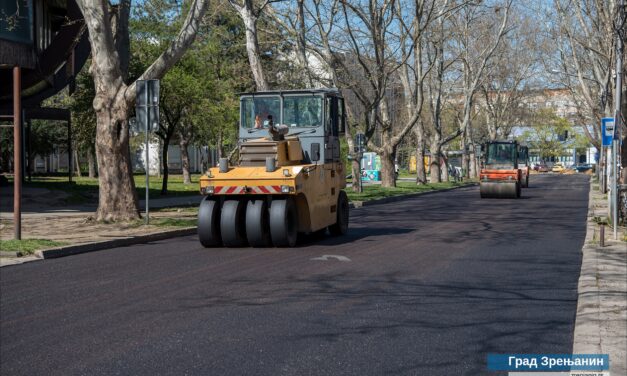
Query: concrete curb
point(90, 247)
point(9, 254)
point(385, 200)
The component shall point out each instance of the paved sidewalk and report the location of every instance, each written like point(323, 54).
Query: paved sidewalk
point(601, 323)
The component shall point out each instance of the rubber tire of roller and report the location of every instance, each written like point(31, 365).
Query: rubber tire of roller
point(258, 224)
point(209, 222)
point(283, 222)
point(232, 223)
point(340, 227)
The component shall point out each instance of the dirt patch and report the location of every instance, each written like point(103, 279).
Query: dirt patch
point(34, 199)
point(77, 229)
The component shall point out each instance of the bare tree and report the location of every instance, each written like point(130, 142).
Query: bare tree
point(438, 94)
point(250, 12)
point(477, 36)
point(505, 85)
point(587, 35)
point(115, 98)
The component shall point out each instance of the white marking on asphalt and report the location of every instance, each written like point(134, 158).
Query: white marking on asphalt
point(327, 257)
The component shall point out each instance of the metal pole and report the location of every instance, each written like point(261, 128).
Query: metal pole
point(617, 119)
point(69, 150)
point(147, 151)
point(23, 151)
point(30, 150)
point(17, 153)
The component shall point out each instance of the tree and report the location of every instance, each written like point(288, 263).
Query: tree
point(250, 13)
point(114, 98)
point(548, 134)
point(587, 32)
point(505, 85)
point(84, 119)
point(478, 33)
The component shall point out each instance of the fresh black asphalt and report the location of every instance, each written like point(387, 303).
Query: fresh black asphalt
point(433, 285)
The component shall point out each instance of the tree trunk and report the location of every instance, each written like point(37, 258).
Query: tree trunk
point(164, 158)
point(77, 164)
point(91, 162)
point(444, 169)
point(421, 174)
point(472, 161)
point(356, 174)
point(183, 143)
point(465, 158)
point(434, 165)
point(117, 199)
point(388, 178)
point(252, 47)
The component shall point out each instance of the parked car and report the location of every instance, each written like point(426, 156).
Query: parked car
point(558, 167)
point(541, 167)
point(583, 167)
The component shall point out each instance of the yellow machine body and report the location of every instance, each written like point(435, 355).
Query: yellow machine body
point(315, 187)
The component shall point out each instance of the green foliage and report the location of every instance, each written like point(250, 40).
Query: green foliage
point(174, 222)
point(547, 134)
point(83, 115)
point(198, 94)
point(28, 246)
point(46, 135)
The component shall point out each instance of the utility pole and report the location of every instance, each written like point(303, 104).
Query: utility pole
point(620, 46)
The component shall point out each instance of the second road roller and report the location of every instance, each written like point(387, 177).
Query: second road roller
point(289, 178)
point(500, 176)
point(523, 164)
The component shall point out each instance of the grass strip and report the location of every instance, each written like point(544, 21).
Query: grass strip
point(28, 246)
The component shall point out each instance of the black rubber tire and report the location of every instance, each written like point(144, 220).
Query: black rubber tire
point(258, 224)
point(209, 222)
point(233, 223)
point(340, 227)
point(283, 222)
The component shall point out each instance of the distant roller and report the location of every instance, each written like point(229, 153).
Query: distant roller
point(500, 175)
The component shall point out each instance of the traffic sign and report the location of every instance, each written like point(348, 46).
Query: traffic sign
point(147, 108)
point(607, 131)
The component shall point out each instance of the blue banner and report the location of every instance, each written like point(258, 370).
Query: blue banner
point(548, 362)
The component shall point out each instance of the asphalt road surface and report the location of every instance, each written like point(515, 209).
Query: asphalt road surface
point(433, 285)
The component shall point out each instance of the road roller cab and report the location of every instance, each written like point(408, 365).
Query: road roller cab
point(500, 175)
point(289, 177)
point(523, 165)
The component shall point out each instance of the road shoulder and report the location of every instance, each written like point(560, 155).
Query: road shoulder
point(601, 321)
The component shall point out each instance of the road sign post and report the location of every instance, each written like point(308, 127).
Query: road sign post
point(147, 109)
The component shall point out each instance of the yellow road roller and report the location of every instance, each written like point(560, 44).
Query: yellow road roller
point(289, 177)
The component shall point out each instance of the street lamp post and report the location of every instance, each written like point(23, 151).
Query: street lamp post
point(620, 45)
